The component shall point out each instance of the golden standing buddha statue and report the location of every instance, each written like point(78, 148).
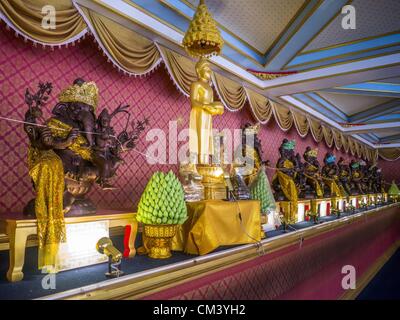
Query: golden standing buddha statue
point(203, 108)
point(203, 39)
point(201, 139)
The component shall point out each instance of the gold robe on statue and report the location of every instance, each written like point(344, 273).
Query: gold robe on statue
point(200, 135)
point(334, 187)
point(47, 173)
point(314, 180)
point(289, 189)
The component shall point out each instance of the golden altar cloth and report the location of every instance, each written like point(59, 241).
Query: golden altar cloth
point(214, 223)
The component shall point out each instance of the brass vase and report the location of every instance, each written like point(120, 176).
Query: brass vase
point(160, 239)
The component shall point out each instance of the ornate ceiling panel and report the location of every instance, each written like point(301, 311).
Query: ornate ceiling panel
point(257, 22)
point(373, 18)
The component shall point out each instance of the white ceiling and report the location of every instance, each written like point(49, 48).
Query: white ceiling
point(257, 22)
point(373, 18)
point(387, 132)
point(352, 104)
point(391, 80)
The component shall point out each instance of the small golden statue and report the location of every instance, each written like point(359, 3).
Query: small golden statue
point(203, 108)
point(201, 139)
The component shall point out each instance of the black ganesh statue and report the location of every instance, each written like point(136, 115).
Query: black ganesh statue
point(73, 149)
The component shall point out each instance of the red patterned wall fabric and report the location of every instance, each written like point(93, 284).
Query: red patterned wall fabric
point(23, 66)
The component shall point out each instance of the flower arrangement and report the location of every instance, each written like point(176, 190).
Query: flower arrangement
point(394, 192)
point(161, 209)
point(312, 215)
point(351, 208)
point(335, 212)
point(363, 205)
point(162, 201)
point(260, 190)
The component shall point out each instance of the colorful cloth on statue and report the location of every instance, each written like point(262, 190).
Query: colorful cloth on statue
point(333, 187)
point(289, 209)
point(47, 173)
point(289, 189)
point(343, 191)
point(317, 185)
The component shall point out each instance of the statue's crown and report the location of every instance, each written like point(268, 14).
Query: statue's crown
point(355, 165)
point(86, 92)
point(331, 159)
point(203, 39)
point(254, 129)
point(312, 153)
point(289, 145)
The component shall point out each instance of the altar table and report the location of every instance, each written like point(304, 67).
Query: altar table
point(18, 228)
point(215, 223)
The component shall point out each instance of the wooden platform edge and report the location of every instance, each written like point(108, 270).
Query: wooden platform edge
point(144, 283)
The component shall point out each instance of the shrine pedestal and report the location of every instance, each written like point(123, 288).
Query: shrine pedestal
point(18, 228)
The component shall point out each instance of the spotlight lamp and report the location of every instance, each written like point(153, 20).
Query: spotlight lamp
point(106, 247)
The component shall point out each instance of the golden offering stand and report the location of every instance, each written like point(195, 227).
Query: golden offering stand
point(289, 214)
point(213, 181)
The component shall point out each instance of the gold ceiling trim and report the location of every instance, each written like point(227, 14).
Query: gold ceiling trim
point(262, 75)
point(347, 61)
point(143, 10)
point(343, 55)
point(384, 83)
point(343, 44)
